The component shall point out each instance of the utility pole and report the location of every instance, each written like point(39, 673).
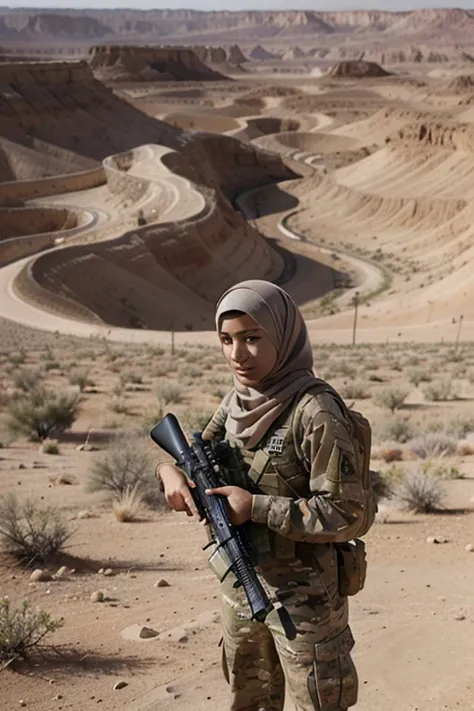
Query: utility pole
point(458, 335)
point(355, 302)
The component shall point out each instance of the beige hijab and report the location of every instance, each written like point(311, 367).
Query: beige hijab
point(250, 412)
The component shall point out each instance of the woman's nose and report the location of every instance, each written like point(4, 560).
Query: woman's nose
point(239, 352)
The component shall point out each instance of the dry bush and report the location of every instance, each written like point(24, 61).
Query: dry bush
point(391, 454)
point(465, 450)
point(127, 505)
point(29, 531)
point(126, 466)
point(41, 413)
point(50, 446)
point(433, 444)
point(399, 429)
point(27, 380)
point(80, 379)
point(355, 391)
point(442, 470)
point(439, 391)
point(416, 376)
point(391, 398)
point(169, 393)
point(421, 493)
point(195, 420)
point(22, 629)
point(460, 426)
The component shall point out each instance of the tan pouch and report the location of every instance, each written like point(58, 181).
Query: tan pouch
point(219, 563)
point(352, 567)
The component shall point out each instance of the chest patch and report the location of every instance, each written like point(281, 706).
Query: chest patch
point(275, 445)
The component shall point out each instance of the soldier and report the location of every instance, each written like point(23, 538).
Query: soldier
point(302, 499)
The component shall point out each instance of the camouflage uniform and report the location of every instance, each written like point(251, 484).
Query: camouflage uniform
point(312, 499)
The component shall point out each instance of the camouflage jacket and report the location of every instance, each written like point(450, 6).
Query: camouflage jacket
point(305, 469)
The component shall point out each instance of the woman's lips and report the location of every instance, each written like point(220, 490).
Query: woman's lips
point(243, 371)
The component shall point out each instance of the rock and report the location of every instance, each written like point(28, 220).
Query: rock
point(470, 547)
point(97, 596)
point(21, 466)
point(62, 572)
point(459, 616)
point(100, 571)
point(40, 576)
point(138, 633)
point(162, 583)
point(84, 514)
point(178, 634)
point(22, 703)
point(148, 633)
point(120, 685)
point(436, 539)
point(109, 572)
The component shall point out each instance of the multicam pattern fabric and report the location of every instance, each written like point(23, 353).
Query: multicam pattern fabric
point(311, 499)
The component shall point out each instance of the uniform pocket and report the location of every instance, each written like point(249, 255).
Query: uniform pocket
point(333, 683)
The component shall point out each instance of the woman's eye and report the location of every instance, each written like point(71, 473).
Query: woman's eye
point(225, 340)
point(252, 339)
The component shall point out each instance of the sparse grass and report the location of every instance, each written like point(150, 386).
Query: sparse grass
point(27, 380)
point(30, 531)
point(442, 470)
point(127, 505)
point(23, 629)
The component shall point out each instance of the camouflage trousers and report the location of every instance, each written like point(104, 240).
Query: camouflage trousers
point(315, 669)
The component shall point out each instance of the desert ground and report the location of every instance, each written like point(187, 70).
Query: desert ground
point(135, 188)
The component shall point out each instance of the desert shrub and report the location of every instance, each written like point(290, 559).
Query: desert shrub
point(18, 357)
point(417, 376)
point(127, 505)
point(195, 420)
point(439, 391)
point(421, 493)
point(433, 444)
point(391, 398)
point(22, 629)
point(129, 376)
point(80, 379)
point(391, 454)
point(169, 393)
point(442, 470)
point(127, 465)
point(50, 446)
point(42, 413)
point(30, 531)
point(460, 426)
point(27, 380)
point(399, 429)
point(119, 406)
point(381, 486)
point(355, 391)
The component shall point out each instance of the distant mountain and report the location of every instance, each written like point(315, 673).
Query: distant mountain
point(191, 27)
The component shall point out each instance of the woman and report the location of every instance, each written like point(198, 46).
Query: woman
point(294, 434)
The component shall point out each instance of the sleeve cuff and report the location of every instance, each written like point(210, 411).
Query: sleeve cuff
point(260, 508)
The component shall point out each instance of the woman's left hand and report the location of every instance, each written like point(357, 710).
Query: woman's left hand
point(239, 500)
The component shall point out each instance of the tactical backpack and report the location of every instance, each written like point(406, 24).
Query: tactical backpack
point(361, 435)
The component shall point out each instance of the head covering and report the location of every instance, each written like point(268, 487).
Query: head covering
point(251, 411)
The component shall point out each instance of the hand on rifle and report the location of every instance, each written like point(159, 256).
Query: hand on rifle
point(177, 490)
point(239, 501)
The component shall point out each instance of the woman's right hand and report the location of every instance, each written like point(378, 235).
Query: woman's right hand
point(177, 490)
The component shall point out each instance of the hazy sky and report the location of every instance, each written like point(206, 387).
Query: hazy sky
point(242, 4)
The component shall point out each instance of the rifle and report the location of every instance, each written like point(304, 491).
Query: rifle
point(201, 466)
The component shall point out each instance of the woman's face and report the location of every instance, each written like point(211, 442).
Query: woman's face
point(248, 349)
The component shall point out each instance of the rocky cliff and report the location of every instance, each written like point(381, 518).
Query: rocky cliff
point(123, 63)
